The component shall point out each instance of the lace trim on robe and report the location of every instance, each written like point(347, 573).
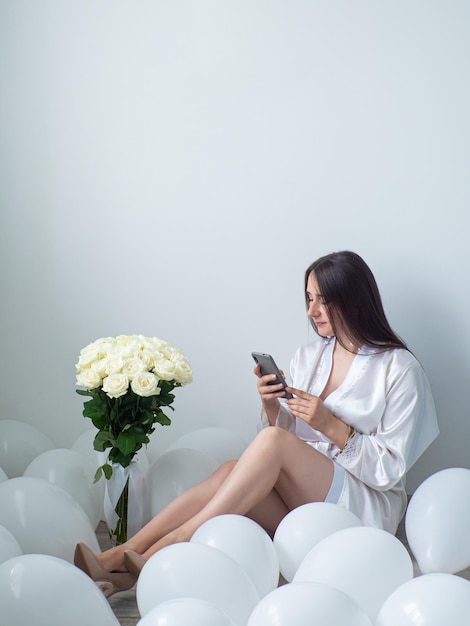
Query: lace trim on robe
point(351, 449)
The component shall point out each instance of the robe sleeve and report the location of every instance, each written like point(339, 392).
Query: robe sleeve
point(284, 419)
point(408, 425)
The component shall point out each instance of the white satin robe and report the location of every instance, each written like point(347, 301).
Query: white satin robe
point(386, 397)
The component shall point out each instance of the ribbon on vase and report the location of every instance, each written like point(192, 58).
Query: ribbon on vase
point(113, 490)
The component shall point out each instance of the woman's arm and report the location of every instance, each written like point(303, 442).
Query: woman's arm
point(408, 425)
point(313, 412)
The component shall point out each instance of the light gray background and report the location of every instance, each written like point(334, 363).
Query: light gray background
point(171, 167)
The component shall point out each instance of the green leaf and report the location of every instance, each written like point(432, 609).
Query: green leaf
point(94, 408)
point(108, 470)
point(98, 474)
point(83, 392)
point(105, 469)
point(139, 434)
point(164, 399)
point(103, 440)
point(162, 419)
point(116, 456)
point(126, 442)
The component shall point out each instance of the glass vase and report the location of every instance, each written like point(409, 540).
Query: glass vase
point(118, 534)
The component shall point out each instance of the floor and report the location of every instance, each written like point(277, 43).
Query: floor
point(124, 604)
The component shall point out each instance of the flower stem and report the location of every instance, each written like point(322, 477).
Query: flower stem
point(119, 534)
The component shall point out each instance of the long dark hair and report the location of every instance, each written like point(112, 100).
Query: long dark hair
point(350, 293)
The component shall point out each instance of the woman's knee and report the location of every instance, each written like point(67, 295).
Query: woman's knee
point(226, 467)
point(272, 437)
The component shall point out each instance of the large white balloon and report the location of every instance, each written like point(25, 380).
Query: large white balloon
point(246, 542)
point(73, 472)
point(44, 518)
point(9, 547)
point(437, 522)
point(84, 445)
point(41, 590)
point(160, 440)
point(174, 472)
point(20, 443)
point(190, 611)
point(192, 570)
point(366, 563)
point(428, 600)
point(220, 444)
point(308, 604)
point(304, 527)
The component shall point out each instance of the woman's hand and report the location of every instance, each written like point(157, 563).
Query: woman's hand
point(311, 410)
point(269, 393)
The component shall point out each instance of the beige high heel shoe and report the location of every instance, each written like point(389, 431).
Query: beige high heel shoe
point(109, 582)
point(134, 561)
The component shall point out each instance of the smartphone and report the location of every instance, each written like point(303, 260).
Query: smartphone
point(268, 366)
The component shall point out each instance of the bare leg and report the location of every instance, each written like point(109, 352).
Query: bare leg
point(178, 511)
point(275, 460)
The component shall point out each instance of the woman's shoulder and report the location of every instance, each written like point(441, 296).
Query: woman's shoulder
point(309, 350)
point(400, 359)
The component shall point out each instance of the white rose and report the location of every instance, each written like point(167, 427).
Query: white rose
point(184, 374)
point(100, 367)
point(145, 384)
point(103, 346)
point(89, 378)
point(128, 349)
point(104, 341)
point(170, 353)
point(153, 343)
point(147, 358)
point(116, 385)
point(132, 366)
point(86, 358)
point(165, 369)
point(114, 364)
point(129, 344)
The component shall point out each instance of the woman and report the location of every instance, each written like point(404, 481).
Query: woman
point(361, 415)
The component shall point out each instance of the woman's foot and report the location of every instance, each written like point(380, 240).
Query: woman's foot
point(109, 582)
point(134, 562)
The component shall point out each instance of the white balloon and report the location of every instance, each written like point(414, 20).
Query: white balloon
point(437, 522)
point(143, 460)
point(47, 591)
point(73, 472)
point(84, 445)
point(3, 476)
point(191, 611)
point(174, 472)
point(305, 526)
point(192, 570)
point(20, 443)
point(9, 547)
point(160, 440)
point(307, 604)
point(247, 543)
point(366, 563)
point(218, 443)
point(44, 518)
point(428, 600)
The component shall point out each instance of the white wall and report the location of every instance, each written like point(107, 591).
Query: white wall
point(171, 167)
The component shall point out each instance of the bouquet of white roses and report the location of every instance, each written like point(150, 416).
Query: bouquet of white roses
point(129, 379)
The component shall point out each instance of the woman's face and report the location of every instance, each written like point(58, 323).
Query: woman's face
point(317, 310)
